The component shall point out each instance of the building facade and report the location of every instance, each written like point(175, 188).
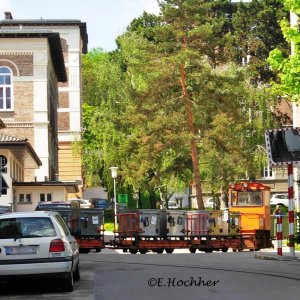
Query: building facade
point(32, 68)
point(73, 40)
point(31, 65)
point(16, 156)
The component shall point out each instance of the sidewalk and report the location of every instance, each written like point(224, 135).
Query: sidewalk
point(272, 255)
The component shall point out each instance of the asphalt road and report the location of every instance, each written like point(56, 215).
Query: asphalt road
point(114, 275)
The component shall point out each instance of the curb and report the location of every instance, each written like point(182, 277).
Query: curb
point(280, 258)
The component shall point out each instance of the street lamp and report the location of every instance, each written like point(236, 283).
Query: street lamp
point(114, 174)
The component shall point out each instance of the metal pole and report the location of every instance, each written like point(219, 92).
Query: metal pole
point(279, 233)
point(115, 203)
point(291, 209)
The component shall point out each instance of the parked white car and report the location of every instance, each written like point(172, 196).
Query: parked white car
point(281, 199)
point(173, 205)
point(38, 243)
point(82, 202)
point(209, 203)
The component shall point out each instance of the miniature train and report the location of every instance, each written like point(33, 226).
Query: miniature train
point(244, 225)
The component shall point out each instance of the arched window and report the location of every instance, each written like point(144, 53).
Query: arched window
point(5, 88)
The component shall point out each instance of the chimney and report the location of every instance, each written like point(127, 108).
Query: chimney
point(8, 15)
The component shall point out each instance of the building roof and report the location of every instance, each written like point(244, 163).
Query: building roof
point(56, 51)
point(22, 149)
point(50, 22)
point(70, 186)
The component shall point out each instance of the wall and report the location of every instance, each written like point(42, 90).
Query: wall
point(58, 194)
point(14, 171)
point(34, 87)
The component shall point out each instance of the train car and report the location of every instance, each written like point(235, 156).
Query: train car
point(88, 229)
point(150, 230)
point(85, 224)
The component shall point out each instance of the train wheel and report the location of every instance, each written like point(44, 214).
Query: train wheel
point(224, 249)
point(192, 250)
point(143, 251)
point(159, 251)
point(125, 250)
point(233, 250)
point(169, 250)
point(133, 251)
point(208, 250)
point(84, 250)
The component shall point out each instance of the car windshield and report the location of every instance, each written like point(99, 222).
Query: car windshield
point(15, 228)
point(101, 201)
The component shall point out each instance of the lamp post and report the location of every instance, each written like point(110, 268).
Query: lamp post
point(114, 174)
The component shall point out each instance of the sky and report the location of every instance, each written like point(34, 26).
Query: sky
point(105, 19)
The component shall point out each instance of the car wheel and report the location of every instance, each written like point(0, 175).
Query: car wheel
point(76, 274)
point(68, 283)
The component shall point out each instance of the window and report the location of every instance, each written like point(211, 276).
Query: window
point(47, 197)
point(25, 198)
point(5, 88)
point(249, 199)
point(266, 172)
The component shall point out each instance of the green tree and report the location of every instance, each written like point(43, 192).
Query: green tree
point(168, 102)
point(105, 94)
point(255, 32)
point(288, 66)
point(181, 86)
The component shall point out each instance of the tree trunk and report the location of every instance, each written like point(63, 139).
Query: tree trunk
point(140, 202)
point(152, 199)
point(193, 145)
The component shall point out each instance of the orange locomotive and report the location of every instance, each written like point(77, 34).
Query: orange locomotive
point(252, 201)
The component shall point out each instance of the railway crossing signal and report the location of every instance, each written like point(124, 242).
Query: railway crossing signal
point(283, 147)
